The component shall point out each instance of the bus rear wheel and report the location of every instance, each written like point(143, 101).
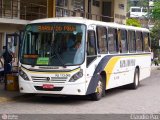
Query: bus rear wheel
point(100, 90)
point(135, 83)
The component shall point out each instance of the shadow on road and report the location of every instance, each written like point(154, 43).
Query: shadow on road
point(74, 100)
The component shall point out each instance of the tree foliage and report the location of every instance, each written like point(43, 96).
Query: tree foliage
point(139, 3)
point(133, 22)
point(155, 35)
point(156, 11)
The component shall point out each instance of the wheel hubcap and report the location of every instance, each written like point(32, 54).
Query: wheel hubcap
point(99, 87)
point(136, 80)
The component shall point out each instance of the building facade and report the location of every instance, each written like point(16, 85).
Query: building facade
point(15, 14)
point(104, 10)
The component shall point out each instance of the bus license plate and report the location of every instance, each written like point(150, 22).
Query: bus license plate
point(48, 86)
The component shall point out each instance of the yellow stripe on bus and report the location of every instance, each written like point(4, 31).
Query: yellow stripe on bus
point(109, 68)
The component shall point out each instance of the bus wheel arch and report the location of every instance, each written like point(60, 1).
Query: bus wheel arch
point(104, 78)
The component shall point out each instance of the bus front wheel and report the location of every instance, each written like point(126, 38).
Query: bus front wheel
point(100, 90)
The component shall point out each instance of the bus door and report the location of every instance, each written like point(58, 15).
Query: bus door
point(91, 54)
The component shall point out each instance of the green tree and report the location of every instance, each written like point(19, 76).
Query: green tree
point(155, 35)
point(155, 32)
point(143, 3)
point(133, 22)
point(156, 11)
point(139, 3)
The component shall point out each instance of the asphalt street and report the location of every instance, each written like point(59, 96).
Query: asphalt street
point(144, 100)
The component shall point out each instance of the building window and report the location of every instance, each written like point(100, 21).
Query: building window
point(121, 6)
point(61, 10)
point(96, 3)
point(102, 39)
point(7, 4)
point(62, 3)
point(9, 8)
point(112, 40)
point(78, 5)
point(131, 41)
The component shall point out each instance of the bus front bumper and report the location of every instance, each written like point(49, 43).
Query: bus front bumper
point(59, 89)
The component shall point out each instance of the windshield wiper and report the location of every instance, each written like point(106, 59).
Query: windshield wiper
point(58, 56)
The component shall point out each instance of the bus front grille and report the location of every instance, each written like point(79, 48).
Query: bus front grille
point(49, 79)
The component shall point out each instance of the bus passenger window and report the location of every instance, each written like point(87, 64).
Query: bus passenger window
point(131, 41)
point(139, 41)
point(146, 42)
point(102, 39)
point(112, 40)
point(122, 39)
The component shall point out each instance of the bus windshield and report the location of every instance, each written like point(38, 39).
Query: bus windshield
point(53, 44)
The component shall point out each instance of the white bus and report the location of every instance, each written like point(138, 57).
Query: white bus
point(77, 56)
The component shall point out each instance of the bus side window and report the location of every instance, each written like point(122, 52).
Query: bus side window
point(131, 41)
point(112, 40)
point(102, 40)
point(146, 42)
point(91, 47)
point(122, 40)
point(139, 41)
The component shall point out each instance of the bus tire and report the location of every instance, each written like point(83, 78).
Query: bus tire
point(100, 90)
point(135, 83)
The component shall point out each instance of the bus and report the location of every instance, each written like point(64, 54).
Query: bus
point(77, 56)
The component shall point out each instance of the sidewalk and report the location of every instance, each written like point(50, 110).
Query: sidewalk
point(9, 95)
point(153, 67)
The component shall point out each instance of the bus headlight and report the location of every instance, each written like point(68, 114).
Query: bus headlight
point(23, 75)
point(76, 76)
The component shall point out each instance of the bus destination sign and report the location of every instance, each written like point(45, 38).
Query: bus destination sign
point(57, 28)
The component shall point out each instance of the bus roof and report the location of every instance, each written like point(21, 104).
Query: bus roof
point(87, 22)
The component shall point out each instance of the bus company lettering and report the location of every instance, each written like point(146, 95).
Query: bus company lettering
point(127, 63)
